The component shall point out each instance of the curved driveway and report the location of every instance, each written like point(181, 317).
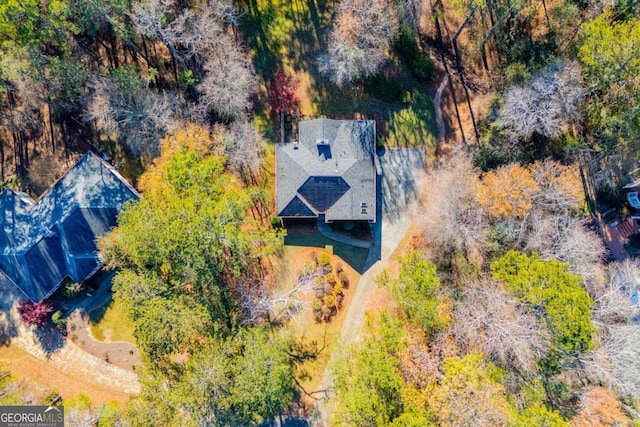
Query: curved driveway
point(400, 172)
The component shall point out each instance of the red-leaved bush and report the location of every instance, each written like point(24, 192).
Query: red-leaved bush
point(34, 314)
point(281, 92)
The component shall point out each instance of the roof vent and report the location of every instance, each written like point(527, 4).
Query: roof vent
point(46, 232)
point(322, 142)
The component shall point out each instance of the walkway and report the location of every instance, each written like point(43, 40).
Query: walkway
point(327, 231)
point(119, 353)
point(436, 103)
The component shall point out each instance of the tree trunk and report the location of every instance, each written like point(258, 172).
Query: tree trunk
point(51, 132)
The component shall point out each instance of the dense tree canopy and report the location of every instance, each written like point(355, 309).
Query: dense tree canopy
point(369, 385)
point(610, 56)
point(416, 290)
point(470, 394)
point(189, 238)
point(551, 286)
point(241, 380)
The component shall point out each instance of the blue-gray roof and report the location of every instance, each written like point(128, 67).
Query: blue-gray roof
point(42, 243)
point(330, 171)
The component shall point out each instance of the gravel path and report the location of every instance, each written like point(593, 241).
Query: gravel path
point(436, 104)
point(61, 354)
point(75, 362)
point(119, 353)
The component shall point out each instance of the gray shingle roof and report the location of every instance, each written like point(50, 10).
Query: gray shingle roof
point(330, 171)
point(44, 242)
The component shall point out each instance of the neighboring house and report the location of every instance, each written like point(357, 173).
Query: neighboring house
point(631, 191)
point(46, 242)
point(329, 173)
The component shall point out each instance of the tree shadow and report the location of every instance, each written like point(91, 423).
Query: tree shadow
point(51, 339)
point(305, 233)
point(96, 314)
point(286, 421)
point(375, 252)
point(8, 322)
point(400, 171)
point(259, 25)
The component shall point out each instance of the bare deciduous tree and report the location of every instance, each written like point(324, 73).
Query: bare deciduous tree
point(243, 146)
point(490, 321)
point(228, 83)
point(451, 216)
point(617, 302)
point(136, 116)
point(200, 37)
point(548, 104)
point(565, 237)
point(360, 38)
point(258, 302)
point(149, 18)
point(616, 362)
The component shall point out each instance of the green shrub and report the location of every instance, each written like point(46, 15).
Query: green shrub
point(420, 64)
point(319, 292)
point(317, 304)
point(57, 318)
point(331, 301)
point(407, 45)
point(71, 290)
point(337, 289)
point(406, 97)
point(423, 67)
point(186, 78)
point(383, 88)
point(516, 73)
point(276, 222)
point(324, 258)
point(331, 279)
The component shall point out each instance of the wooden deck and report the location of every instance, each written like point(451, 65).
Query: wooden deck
point(615, 234)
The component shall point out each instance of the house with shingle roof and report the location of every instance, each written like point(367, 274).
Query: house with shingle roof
point(43, 243)
point(329, 173)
